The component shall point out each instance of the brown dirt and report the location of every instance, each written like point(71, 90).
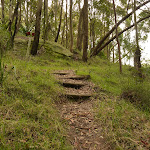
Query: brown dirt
point(84, 133)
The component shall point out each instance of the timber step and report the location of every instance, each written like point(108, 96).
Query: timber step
point(72, 84)
point(77, 96)
point(82, 77)
point(61, 73)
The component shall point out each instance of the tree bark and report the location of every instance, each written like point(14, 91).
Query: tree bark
point(15, 30)
point(79, 36)
point(85, 39)
point(62, 41)
point(97, 48)
point(27, 16)
point(37, 28)
point(137, 54)
point(45, 19)
point(119, 51)
point(66, 26)
point(71, 32)
point(19, 21)
point(56, 39)
point(55, 2)
point(3, 14)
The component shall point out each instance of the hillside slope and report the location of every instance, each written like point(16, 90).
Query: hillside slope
point(30, 95)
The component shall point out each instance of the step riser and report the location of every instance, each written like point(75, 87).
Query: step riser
point(72, 86)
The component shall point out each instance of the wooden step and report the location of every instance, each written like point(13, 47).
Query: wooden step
point(78, 96)
point(61, 73)
point(72, 84)
point(82, 77)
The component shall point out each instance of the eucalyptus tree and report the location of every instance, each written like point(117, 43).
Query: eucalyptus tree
point(137, 54)
point(80, 31)
point(118, 42)
point(85, 30)
point(37, 28)
point(66, 25)
point(45, 19)
point(3, 12)
point(56, 39)
point(100, 46)
point(71, 28)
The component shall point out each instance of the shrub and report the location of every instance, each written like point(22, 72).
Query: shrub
point(138, 93)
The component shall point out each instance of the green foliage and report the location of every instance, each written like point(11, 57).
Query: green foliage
point(5, 40)
point(29, 119)
point(138, 92)
point(4, 45)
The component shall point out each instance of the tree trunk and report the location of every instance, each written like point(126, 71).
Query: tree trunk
point(137, 54)
point(3, 14)
point(85, 39)
point(126, 29)
point(120, 64)
point(10, 17)
point(19, 21)
point(55, 4)
point(56, 39)
point(27, 15)
point(11, 21)
point(37, 28)
point(45, 19)
point(62, 41)
point(71, 32)
point(66, 26)
point(97, 48)
point(15, 30)
point(79, 39)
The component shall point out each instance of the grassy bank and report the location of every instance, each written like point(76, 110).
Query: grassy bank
point(29, 116)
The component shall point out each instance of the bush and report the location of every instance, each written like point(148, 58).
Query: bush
point(4, 45)
point(5, 40)
point(138, 93)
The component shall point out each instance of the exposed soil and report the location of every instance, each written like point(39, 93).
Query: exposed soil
point(84, 133)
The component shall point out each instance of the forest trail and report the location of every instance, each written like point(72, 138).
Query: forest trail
point(83, 132)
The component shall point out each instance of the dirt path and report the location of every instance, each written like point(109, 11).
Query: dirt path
point(83, 132)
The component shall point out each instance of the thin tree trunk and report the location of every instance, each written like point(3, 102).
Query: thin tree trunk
point(3, 14)
point(137, 54)
point(85, 39)
point(15, 30)
point(66, 26)
point(96, 50)
point(71, 32)
point(45, 19)
point(62, 41)
point(37, 28)
point(93, 32)
point(126, 29)
point(27, 16)
point(55, 4)
point(19, 21)
point(79, 39)
point(10, 17)
point(56, 39)
point(119, 51)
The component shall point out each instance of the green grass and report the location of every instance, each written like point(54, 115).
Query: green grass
point(29, 116)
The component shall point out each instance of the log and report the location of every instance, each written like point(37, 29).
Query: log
point(82, 77)
point(61, 73)
point(72, 84)
point(77, 96)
